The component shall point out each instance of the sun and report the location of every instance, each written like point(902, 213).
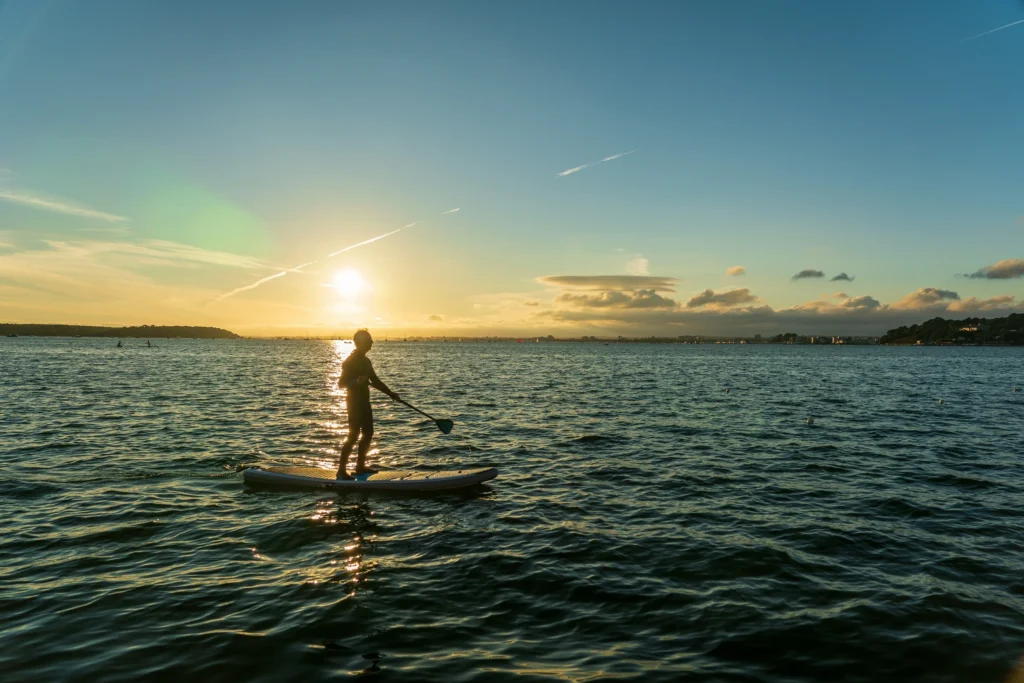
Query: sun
point(348, 283)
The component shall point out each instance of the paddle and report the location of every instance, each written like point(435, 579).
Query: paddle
point(445, 426)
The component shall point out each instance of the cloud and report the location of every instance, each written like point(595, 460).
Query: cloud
point(642, 298)
point(445, 213)
point(531, 303)
point(732, 297)
point(638, 266)
point(577, 169)
point(846, 305)
point(106, 280)
point(1003, 270)
point(624, 283)
point(862, 303)
point(732, 313)
point(841, 295)
point(972, 304)
point(842, 276)
point(807, 273)
point(735, 271)
point(1012, 23)
point(926, 297)
point(57, 205)
point(155, 252)
point(435, 318)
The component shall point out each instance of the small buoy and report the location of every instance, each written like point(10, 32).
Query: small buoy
point(810, 420)
point(940, 401)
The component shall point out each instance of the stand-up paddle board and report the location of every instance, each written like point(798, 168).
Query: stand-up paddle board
point(392, 480)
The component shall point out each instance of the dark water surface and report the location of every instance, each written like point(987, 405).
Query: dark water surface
point(646, 524)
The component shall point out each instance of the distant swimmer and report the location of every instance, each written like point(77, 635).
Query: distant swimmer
point(357, 376)
point(119, 344)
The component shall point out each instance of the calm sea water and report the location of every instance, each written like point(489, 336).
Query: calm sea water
point(646, 523)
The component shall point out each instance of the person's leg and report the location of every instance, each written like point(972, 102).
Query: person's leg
point(350, 442)
point(366, 430)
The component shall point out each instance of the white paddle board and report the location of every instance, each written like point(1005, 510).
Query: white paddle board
point(392, 480)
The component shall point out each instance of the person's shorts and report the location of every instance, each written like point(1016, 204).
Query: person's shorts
point(360, 417)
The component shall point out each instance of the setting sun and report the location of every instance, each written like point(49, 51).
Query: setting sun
point(348, 283)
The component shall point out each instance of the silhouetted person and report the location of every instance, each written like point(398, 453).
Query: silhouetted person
point(357, 376)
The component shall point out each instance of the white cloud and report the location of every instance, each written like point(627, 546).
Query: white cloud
point(713, 299)
point(610, 282)
point(641, 298)
point(926, 297)
point(638, 265)
point(735, 271)
point(38, 201)
point(1002, 270)
point(106, 281)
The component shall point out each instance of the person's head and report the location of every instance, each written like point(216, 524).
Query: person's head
point(363, 340)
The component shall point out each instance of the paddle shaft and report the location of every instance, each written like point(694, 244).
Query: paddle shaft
point(417, 410)
point(444, 425)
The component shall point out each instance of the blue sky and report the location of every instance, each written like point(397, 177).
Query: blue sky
point(873, 138)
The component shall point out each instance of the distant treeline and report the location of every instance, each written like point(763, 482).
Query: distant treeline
point(1008, 330)
point(144, 331)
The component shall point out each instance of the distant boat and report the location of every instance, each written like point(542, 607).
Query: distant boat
point(12, 335)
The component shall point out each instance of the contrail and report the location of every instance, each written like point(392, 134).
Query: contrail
point(373, 239)
point(572, 170)
point(616, 156)
point(445, 213)
point(297, 269)
point(595, 163)
point(1019, 21)
point(256, 284)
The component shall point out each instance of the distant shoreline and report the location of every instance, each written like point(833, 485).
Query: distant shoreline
point(139, 331)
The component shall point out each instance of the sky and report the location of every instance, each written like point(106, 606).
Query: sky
point(514, 168)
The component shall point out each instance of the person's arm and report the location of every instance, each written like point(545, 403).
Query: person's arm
point(377, 384)
point(348, 377)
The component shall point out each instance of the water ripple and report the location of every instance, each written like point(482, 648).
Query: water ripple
point(646, 525)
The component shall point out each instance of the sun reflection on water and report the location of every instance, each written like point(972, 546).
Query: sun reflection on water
point(355, 522)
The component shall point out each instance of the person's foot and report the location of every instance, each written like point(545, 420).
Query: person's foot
point(344, 476)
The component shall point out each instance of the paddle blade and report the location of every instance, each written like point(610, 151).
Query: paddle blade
point(446, 426)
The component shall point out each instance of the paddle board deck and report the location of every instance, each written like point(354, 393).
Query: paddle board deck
point(392, 480)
